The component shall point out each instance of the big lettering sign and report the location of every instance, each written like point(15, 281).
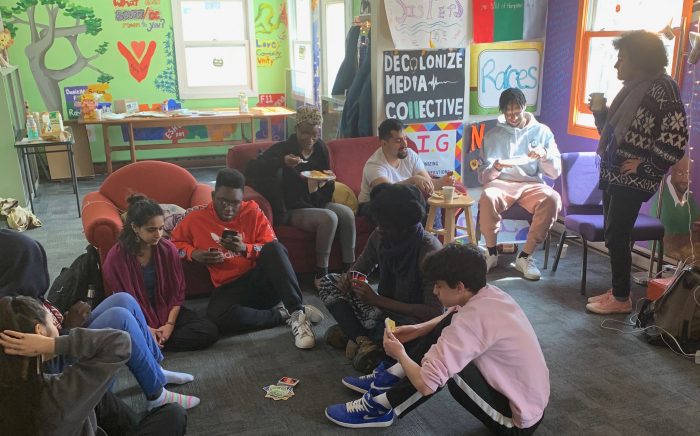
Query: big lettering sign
point(499, 66)
point(424, 85)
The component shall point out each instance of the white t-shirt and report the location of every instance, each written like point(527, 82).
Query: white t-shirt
point(377, 166)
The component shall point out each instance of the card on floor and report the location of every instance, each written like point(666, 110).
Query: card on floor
point(288, 381)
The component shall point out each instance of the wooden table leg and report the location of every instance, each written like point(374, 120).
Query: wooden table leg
point(431, 219)
point(450, 215)
point(132, 144)
point(108, 147)
point(470, 225)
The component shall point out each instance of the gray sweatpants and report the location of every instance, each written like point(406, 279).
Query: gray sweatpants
point(324, 223)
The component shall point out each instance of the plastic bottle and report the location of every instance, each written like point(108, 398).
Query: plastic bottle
point(243, 103)
point(32, 128)
point(90, 298)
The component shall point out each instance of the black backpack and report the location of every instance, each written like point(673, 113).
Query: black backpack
point(676, 313)
point(72, 283)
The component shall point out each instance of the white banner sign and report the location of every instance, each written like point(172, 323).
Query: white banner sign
point(419, 24)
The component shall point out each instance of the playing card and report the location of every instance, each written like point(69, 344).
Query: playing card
point(288, 381)
point(277, 392)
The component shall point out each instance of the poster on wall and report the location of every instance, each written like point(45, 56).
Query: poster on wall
point(417, 24)
point(439, 146)
point(508, 20)
point(424, 85)
point(72, 95)
point(499, 66)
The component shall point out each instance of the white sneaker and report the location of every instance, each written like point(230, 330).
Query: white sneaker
point(301, 329)
point(313, 314)
point(491, 259)
point(526, 265)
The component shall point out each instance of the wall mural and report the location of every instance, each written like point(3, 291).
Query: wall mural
point(166, 80)
point(271, 32)
point(44, 34)
point(139, 62)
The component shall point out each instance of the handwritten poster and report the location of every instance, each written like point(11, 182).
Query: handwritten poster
point(439, 146)
point(424, 85)
point(72, 95)
point(416, 24)
point(499, 66)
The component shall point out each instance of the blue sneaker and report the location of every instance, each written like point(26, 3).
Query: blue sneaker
point(379, 379)
point(363, 412)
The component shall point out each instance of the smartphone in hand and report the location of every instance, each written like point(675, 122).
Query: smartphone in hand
point(228, 234)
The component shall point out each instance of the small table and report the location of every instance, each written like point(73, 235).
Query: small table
point(38, 146)
point(461, 202)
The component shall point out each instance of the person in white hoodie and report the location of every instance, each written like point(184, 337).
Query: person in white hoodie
point(515, 155)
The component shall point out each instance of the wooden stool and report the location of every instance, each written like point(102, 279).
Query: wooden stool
point(460, 201)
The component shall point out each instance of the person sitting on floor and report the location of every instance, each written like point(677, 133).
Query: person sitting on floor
point(483, 348)
point(147, 266)
point(280, 170)
point(24, 272)
point(33, 403)
point(394, 162)
point(515, 155)
point(397, 247)
point(247, 265)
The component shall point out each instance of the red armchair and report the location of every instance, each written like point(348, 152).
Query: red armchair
point(347, 159)
point(164, 182)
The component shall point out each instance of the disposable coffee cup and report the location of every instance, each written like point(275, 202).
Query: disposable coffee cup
point(448, 193)
point(597, 101)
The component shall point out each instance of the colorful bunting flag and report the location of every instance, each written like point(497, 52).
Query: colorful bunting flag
point(509, 20)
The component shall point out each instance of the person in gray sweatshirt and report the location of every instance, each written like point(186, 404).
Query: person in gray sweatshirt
point(34, 403)
point(515, 155)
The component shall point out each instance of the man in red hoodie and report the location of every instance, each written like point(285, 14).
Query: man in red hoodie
point(255, 284)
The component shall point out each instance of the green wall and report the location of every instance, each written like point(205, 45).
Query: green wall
point(100, 28)
point(11, 185)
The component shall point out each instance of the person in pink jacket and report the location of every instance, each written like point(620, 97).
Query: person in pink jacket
point(483, 348)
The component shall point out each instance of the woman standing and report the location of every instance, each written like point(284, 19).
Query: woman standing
point(308, 201)
point(148, 267)
point(642, 134)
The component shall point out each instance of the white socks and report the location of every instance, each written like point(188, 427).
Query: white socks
point(383, 400)
point(176, 378)
point(396, 370)
point(166, 397)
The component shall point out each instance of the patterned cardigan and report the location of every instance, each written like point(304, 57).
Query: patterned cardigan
point(657, 136)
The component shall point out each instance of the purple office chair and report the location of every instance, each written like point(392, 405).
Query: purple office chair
point(583, 204)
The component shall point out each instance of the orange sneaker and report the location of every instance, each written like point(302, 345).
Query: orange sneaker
point(609, 305)
point(597, 298)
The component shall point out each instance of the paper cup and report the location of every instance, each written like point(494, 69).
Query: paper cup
point(597, 101)
point(448, 193)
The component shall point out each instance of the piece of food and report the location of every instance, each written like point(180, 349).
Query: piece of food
point(390, 324)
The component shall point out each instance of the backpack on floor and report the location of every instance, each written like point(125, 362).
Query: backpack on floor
point(72, 283)
point(677, 312)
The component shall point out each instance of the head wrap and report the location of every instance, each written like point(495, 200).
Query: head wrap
point(310, 115)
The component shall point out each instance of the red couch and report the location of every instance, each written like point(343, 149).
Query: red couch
point(164, 182)
point(347, 159)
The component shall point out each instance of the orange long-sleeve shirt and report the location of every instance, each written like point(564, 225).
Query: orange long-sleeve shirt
point(201, 229)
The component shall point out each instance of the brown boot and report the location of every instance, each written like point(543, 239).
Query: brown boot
point(368, 355)
point(350, 349)
point(336, 338)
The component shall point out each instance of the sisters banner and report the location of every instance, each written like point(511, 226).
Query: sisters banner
point(416, 24)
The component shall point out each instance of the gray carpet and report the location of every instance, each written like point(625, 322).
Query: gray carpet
point(602, 382)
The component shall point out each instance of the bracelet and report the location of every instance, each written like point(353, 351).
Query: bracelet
point(171, 323)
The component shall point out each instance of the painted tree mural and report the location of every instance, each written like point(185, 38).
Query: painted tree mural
point(44, 35)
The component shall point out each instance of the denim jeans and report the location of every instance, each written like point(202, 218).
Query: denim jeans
point(122, 312)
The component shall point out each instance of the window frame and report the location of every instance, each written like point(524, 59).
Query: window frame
point(210, 92)
point(577, 101)
point(308, 96)
point(328, 87)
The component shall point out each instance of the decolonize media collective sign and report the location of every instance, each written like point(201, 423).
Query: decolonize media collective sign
point(424, 85)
